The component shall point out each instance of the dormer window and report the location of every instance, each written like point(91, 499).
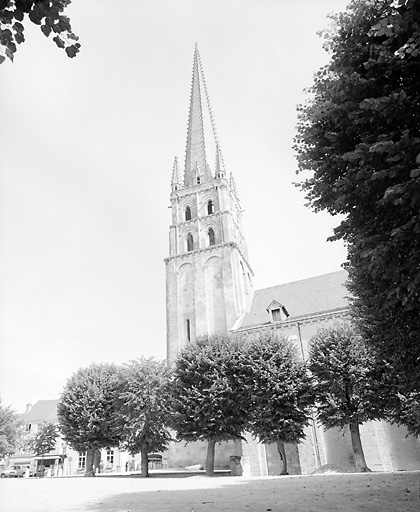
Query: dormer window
point(210, 207)
point(276, 315)
point(277, 312)
point(187, 213)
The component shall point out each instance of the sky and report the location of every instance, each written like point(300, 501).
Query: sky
point(86, 153)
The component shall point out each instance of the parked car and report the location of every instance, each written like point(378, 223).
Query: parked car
point(15, 471)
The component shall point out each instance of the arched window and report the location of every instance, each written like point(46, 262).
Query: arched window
point(210, 207)
point(212, 237)
point(190, 242)
point(187, 213)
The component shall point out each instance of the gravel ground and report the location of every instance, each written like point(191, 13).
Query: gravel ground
point(384, 492)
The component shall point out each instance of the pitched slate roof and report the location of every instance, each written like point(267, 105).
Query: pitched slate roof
point(320, 294)
point(43, 410)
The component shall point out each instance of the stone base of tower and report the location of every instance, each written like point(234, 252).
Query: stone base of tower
point(386, 447)
point(182, 455)
point(264, 460)
point(256, 459)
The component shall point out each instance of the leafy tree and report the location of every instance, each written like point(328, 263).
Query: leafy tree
point(47, 14)
point(358, 135)
point(408, 412)
point(281, 392)
point(348, 383)
point(87, 411)
point(44, 440)
point(9, 430)
point(208, 403)
point(23, 440)
point(142, 405)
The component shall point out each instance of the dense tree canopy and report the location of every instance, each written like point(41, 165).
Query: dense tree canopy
point(408, 412)
point(348, 384)
point(280, 390)
point(86, 410)
point(48, 14)
point(142, 408)
point(9, 431)
point(359, 136)
point(208, 402)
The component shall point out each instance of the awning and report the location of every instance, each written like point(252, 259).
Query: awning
point(20, 460)
point(47, 457)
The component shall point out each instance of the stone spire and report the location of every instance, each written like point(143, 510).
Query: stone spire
point(202, 144)
point(176, 179)
point(219, 171)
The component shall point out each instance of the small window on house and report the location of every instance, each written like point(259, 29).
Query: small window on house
point(190, 242)
point(210, 207)
point(188, 330)
point(212, 237)
point(187, 213)
point(277, 312)
point(109, 458)
point(82, 460)
point(198, 180)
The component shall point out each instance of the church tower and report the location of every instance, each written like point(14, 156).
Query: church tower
point(208, 277)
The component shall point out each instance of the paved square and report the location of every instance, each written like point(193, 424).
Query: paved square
point(384, 492)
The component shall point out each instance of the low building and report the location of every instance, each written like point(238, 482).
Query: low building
point(63, 460)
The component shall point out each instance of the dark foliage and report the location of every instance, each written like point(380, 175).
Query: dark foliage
point(142, 408)
point(208, 402)
point(47, 14)
point(86, 410)
point(358, 135)
point(280, 390)
point(348, 382)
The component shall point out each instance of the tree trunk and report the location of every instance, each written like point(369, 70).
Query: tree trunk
point(90, 454)
point(282, 453)
point(96, 460)
point(144, 461)
point(41, 473)
point(211, 445)
point(359, 456)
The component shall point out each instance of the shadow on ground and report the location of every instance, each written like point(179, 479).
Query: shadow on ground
point(373, 492)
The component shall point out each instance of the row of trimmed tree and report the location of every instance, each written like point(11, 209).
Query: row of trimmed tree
point(222, 386)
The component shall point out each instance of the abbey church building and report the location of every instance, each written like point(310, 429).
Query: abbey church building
point(209, 289)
